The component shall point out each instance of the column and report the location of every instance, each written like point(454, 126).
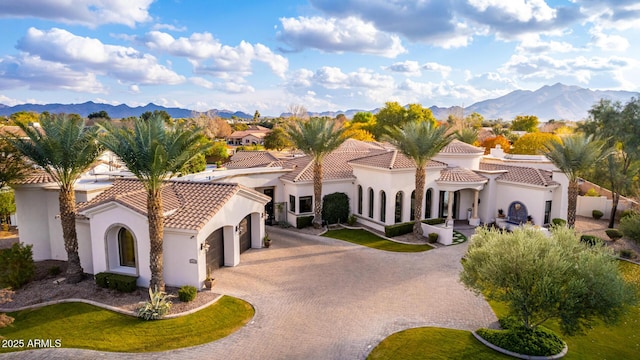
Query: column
point(475, 221)
point(450, 208)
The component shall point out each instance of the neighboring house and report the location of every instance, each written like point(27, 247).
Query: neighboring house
point(211, 219)
point(254, 135)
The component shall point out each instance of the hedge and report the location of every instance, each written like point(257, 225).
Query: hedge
point(335, 208)
point(434, 221)
point(119, 282)
point(304, 221)
point(398, 229)
point(559, 222)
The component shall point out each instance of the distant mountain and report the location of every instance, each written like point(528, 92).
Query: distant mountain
point(560, 102)
point(114, 111)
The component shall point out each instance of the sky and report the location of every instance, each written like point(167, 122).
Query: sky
point(326, 55)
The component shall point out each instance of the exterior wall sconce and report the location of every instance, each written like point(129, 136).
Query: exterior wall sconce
point(204, 247)
point(237, 229)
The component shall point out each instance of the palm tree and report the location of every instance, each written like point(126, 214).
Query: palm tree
point(420, 141)
point(575, 155)
point(153, 154)
point(316, 137)
point(64, 148)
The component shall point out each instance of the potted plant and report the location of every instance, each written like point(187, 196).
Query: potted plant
point(210, 281)
point(500, 213)
point(267, 240)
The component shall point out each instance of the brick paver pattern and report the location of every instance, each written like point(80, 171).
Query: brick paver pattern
point(319, 298)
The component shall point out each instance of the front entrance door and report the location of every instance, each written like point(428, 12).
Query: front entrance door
point(244, 229)
point(268, 208)
point(215, 250)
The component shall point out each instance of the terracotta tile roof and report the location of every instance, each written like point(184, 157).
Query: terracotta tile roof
point(523, 175)
point(392, 159)
point(12, 130)
point(257, 131)
point(250, 159)
point(461, 175)
point(36, 177)
point(458, 147)
point(335, 165)
point(187, 205)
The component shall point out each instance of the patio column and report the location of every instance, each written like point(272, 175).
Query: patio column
point(450, 209)
point(475, 221)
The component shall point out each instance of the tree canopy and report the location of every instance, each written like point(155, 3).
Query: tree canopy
point(393, 114)
point(533, 143)
point(277, 139)
point(528, 123)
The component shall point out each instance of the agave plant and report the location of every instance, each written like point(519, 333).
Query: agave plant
point(157, 307)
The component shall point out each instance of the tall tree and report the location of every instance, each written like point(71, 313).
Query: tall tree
point(277, 139)
point(316, 137)
point(64, 148)
point(12, 164)
point(154, 154)
point(574, 156)
point(532, 143)
point(528, 123)
point(420, 141)
point(621, 126)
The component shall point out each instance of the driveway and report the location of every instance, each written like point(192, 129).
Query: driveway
point(319, 298)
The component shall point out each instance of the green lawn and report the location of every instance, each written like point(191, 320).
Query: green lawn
point(365, 238)
point(80, 325)
point(621, 341)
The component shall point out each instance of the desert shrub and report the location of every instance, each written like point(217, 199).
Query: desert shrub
point(590, 240)
point(304, 221)
point(627, 212)
point(16, 266)
point(597, 214)
point(351, 220)
point(335, 208)
point(559, 222)
point(157, 306)
point(614, 234)
point(592, 192)
point(434, 221)
point(626, 254)
point(55, 270)
point(398, 229)
point(537, 342)
point(630, 226)
point(433, 237)
point(187, 293)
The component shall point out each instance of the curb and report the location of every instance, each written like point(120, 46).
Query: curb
point(521, 356)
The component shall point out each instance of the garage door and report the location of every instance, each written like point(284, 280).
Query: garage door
point(245, 233)
point(215, 250)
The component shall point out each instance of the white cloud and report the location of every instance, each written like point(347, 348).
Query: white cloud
point(532, 43)
point(338, 35)
point(134, 89)
point(85, 12)
point(444, 70)
point(91, 55)
point(611, 14)
point(168, 102)
point(521, 10)
point(608, 42)
point(333, 78)
point(209, 56)
point(169, 27)
point(196, 80)
point(408, 68)
point(5, 100)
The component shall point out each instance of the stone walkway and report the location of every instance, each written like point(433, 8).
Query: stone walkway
point(319, 298)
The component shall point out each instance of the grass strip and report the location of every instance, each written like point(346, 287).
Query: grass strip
point(365, 238)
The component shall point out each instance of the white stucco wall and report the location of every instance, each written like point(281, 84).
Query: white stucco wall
point(85, 249)
point(180, 247)
point(32, 210)
point(466, 161)
point(533, 198)
point(301, 189)
point(55, 227)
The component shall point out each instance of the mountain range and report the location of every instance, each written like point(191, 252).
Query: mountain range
point(559, 102)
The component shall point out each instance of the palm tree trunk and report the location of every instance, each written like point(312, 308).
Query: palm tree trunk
point(317, 193)
point(573, 201)
point(419, 196)
point(67, 200)
point(156, 234)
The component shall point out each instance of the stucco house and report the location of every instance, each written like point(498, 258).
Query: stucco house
point(254, 135)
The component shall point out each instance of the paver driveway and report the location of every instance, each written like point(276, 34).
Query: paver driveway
point(319, 298)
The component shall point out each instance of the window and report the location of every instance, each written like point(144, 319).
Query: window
point(306, 204)
point(398, 212)
point(292, 203)
point(383, 206)
point(126, 248)
point(359, 199)
point(547, 212)
point(371, 203)
point(427, 204)
point(412, 214)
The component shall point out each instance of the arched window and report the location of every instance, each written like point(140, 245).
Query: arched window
point(359, 199)
point(126, 248)
point(398, 217)
point(383, 206)
point(412, 213)
point(371, 203)
point(427, 204)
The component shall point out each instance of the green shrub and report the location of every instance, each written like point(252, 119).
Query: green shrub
point(597, 214)
point(630, 226)
point(626, 254)
point(433, 237)
point(352, 220)
point(628, 212)
point(335, 208)
point(590, 240)
point(559, 222)
point(398, 229)
point(614, 234)
point(187, 293)
point(536, 342)
point(119, 282)
point(16, 266)
point(434, 221)
point(304, 221)
point(157, 306)
point(55, 270)
point(592, 192)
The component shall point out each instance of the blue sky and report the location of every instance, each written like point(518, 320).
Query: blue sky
point(321, 54)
